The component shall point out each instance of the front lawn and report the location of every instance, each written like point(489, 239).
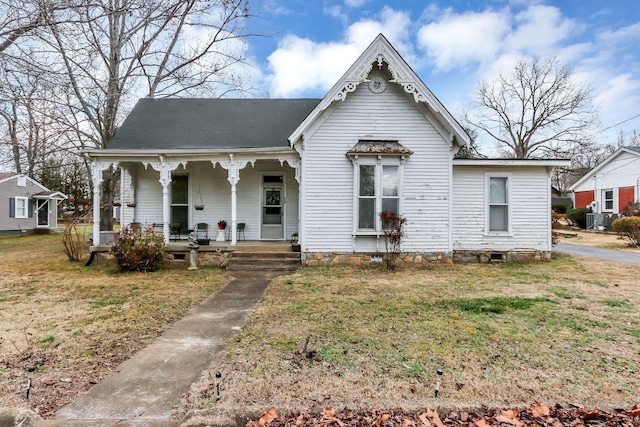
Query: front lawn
point(565, 331)
point(72, 325)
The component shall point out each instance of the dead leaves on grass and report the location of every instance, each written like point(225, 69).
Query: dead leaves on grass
point(537, 415)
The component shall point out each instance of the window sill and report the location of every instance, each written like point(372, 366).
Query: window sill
point(498, 234)
point(367, 233)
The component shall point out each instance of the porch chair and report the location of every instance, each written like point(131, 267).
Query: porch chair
point(175, 231)
point(239, 231)
point(135, 226)
point(202, 231)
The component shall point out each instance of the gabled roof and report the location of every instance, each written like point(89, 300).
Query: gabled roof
point(8, 176)
point(5, 175)
point(379, 51)
point(50, 195)
point(157, 124)
point(589, 175)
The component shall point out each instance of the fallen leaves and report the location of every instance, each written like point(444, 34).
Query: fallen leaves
point(537, 415)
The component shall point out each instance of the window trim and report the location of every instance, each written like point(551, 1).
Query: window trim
point(487, 202)
point(604, 200)
point(26, 207)
point(379, 162)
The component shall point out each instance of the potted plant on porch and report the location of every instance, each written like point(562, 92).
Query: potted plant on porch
point(295, 246)
point(222, 224)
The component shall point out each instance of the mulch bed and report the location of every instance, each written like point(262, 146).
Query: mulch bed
point(535, 415)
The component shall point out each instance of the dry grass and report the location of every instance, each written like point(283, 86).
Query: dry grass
point(597, 239)
point(72, 324)
point(505, 334)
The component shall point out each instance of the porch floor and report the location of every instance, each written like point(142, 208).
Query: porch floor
point(214, 246)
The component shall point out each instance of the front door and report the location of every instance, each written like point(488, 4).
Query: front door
point(272, 208)
point(43, 213)
point(180, 201)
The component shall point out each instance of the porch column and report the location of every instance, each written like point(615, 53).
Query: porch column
point(233, 167)
point(165, 169)
point(96, 177)
point(122, 172)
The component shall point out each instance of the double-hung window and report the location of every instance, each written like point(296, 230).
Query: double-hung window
point(21, 207)
point(377, 181)
point(607, 197)
point(378, 190)
point(498, 201)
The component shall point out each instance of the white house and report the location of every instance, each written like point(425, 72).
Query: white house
point(612, 185)
point(325, 169)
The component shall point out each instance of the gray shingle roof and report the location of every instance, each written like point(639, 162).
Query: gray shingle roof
point(211, 123)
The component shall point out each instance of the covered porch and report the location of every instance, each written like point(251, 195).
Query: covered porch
point(256, 193)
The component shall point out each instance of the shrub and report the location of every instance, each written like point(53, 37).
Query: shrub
point(392, 225)
point(560, 208)
point(73, 240)
point(138, 250)
point(579, 216)
point(628, 227)
point(632, 209)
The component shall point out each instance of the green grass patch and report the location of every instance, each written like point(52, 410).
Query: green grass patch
point(107, 302)
point(46, 340)
point(496, 305)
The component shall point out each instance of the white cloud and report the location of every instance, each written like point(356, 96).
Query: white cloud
point(300, 65)
point(493, 36)
point(538, 31)
point(459, 39)
point(355, 3)
point(621, 92)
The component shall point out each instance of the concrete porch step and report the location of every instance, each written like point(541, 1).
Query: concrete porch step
point(264, 261)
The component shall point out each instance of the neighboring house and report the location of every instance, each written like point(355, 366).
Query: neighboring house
point(26, 205)
point(325, 169)
point(612, 185)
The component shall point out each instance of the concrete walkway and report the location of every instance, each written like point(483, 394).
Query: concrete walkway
point(604, 254)
point(148, 386)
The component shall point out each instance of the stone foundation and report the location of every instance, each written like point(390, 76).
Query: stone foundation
point(172, 258)
point(498, 256)
point(312, 259)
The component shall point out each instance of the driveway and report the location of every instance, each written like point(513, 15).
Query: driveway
point(598, 253)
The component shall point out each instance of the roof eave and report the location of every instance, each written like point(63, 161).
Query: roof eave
point(513, 162)
point(96, 152)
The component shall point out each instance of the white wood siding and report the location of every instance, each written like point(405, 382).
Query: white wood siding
point(212, 184)
point(529, 210)
point(623, 171)
point(328, 173)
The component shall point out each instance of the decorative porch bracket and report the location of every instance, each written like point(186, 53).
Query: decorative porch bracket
point(295, 164)
point(233, 167)
point(97, 168)
point(165, 169)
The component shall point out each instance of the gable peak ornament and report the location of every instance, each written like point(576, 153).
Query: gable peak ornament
point(377, 84)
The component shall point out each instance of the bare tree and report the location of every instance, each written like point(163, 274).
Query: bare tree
point(25, 112)
point(535, 111)
point(115, 51)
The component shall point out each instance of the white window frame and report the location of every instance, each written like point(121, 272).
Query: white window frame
point(379, 162)
point(488, 204)
point(605, 200)
point(25, 200)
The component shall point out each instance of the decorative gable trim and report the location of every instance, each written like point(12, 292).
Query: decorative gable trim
point(378, 53)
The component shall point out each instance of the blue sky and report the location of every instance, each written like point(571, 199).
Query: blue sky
point(454, 45)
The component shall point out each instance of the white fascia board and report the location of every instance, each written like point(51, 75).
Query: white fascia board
point(186, 153)
point(556, 163)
